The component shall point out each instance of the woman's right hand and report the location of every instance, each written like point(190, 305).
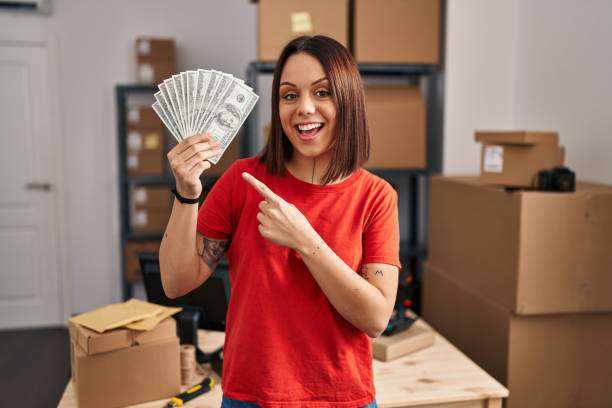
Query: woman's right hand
point(188, 160)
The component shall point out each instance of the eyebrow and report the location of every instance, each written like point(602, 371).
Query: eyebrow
point(295, 86)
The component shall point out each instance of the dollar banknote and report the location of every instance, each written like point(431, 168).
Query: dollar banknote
point(198, 101)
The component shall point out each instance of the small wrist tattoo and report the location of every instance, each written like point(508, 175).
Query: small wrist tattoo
point(316, 248)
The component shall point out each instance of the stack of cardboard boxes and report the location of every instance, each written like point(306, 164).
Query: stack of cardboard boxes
point(396, 32)
point(393, 32)
point(155, 59)
point(521, 282)
point(151, 208)
point(145, 142)
point(113, 365)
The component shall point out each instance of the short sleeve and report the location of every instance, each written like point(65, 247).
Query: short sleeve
point(381, 232)
point(215, 214)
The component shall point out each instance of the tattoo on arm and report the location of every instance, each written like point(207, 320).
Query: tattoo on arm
point(212, 250)
point(365, 273)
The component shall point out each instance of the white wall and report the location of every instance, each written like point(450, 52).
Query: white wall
point(96, 42)
point(564, 63)
point(524, 64)
point(479, 77)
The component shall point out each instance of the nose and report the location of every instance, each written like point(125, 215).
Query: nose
point(306, 106)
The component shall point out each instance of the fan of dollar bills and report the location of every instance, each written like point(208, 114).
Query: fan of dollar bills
point(210, 101)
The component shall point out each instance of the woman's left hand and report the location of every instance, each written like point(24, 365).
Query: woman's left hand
point(279, 221)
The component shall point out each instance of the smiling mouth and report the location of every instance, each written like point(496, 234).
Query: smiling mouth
point(308, 131)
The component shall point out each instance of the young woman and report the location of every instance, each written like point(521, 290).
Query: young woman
point(312, 241)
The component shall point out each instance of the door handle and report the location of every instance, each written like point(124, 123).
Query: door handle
point(38, 186)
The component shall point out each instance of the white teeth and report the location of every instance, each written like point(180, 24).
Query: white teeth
point(309, 126)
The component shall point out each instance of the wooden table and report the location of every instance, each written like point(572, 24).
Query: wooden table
point(439, 376)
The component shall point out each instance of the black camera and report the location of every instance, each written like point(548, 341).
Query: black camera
point(560, 178)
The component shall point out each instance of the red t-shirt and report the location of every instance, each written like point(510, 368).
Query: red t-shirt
point(285, 344)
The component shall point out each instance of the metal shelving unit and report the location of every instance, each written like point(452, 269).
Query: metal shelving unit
point(412, 184)
point(122, 93)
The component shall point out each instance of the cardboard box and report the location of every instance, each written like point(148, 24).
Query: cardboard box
point(514, 158)
point(143, 117)
point(153, 220)
point(131, 250)
point(545, 361)
point(146, 139)
point(150, 49)
point(122, 367)
point(397, 32)
point(397, 121)
point(280, 21)
point(531, 252)
point(152, 197)
point(417, 337)
point(155, 72)
point(145, 163)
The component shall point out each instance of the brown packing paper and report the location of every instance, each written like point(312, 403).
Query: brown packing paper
point(153, 321)
point(117, 315)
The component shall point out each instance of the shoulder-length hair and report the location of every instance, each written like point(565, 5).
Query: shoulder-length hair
point(351, 147)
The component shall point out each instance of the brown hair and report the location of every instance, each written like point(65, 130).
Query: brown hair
point(351, 147)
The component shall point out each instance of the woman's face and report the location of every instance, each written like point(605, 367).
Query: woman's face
point(306, 106)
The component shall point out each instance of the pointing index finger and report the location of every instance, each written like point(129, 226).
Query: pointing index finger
point(268, 194)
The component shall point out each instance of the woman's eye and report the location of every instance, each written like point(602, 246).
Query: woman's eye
point(289, 96)
point(322, 93)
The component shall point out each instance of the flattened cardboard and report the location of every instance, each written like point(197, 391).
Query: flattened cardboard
point(387, 348)
point(397, 121)
point(126, 376)
point(518, 156)
point(530, 252)
point(397, 31)
point(280, 21)
point(546, 361)
point(152, 322)
point(92, 342)
point(116, 315)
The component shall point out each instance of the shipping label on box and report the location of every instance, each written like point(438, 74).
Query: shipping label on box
point(493, 159)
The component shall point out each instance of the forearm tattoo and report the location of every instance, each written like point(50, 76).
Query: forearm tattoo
point(212, 250)
point(364, 273)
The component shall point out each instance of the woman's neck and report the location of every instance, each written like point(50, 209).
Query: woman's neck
point(310, 169)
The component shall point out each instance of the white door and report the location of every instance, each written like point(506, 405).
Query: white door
point(30, 282)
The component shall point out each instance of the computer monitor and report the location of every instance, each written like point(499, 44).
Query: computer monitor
point(210, 299)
